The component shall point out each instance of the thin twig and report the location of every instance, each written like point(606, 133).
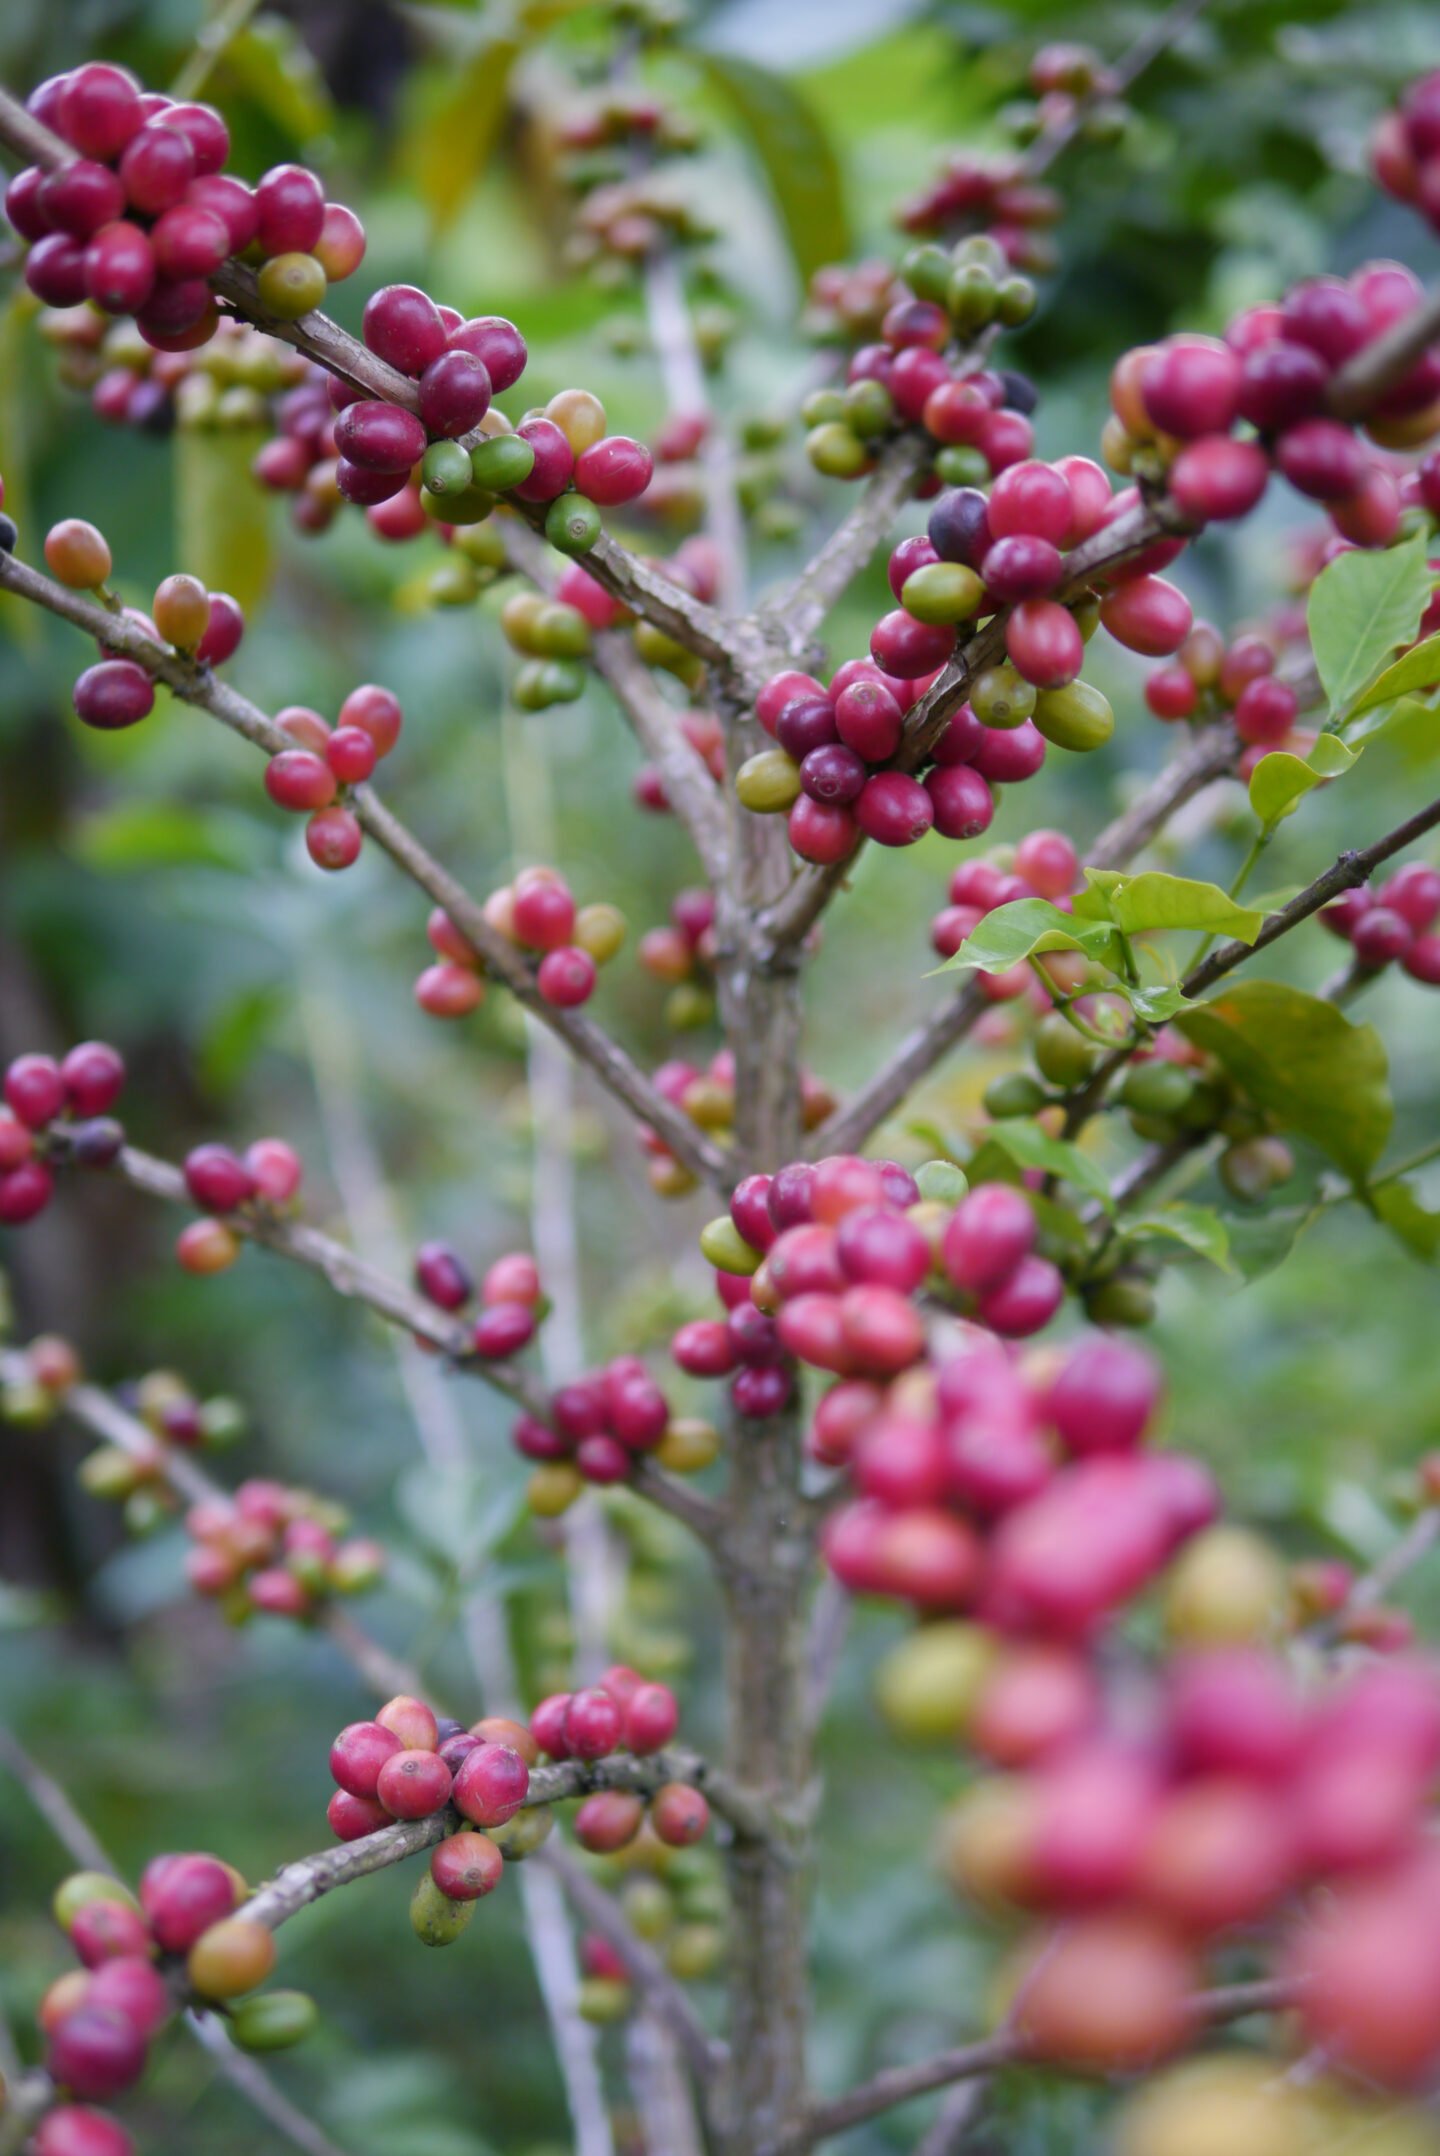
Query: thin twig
point(195, 684)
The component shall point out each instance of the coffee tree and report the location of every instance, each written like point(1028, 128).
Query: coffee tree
point(1189, 1812)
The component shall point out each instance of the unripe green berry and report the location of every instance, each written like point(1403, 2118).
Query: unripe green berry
point(942, 1182)
point(1017, 1093)
point(1156, 1088)
point(1015, 301)
point(723, 1246)
point(960, 466)
point(501, 461)
point(837, 451)
point(272, 2020)
point(445, 469)
point(869, 408)
point(971, 297)
point(602, 1999)
point(942, 592)
point(572, 524)
point(434, 1918)
point(1126, 1300)
point(927, 271)
point(821, 408)
point(1062, 1055)
point(472, 506)
point(768, 783)
point(1076, 717)
point(291, 285)
point(453, 583)
point(1002, 697)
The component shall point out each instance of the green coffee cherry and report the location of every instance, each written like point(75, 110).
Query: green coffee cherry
point(821, 408)
point(521, 1836)
point(223, 1422)
point(445, 469)
point(1017, 1093)
point(1062, 1055)
point(837, 451)
point(971, 297)
point(1156, 1088)
point(768, 783)
point(960, 466)
point(940, 1181)
point(723, 1246)
point(470, 507)
point(572, 525)
point(1015, 301)
point(501, 461)
point(1002, 697)
point(291, 285)
point(927, 271)
point(1128, 1299)
point(942, 592)
point(272, 2020)
point(1075, 717)
point(601, 1998)
point(560, 632)
point(434, 1918)
point(483, 544)
point(454, 583)
point(868, 408)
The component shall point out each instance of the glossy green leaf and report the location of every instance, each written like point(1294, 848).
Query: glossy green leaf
point(1031, 1147)
point(1411, 1222)
point(1199, 1227)
point(222, 519)
point(1416, 670)
point(458, 123)
point(1305, 1063)
point(1260, 1241)
point(270, 64)
point(797, 154)
point(1147, 902)
point(237, 1033)
point(1026, 927)
point(1362, 608)
point(1156, 1005)
point(135, 835)
point(1280, 781)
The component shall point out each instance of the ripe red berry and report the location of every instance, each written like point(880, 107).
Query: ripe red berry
point(679, 1815)
point(961, 801)
point(614, 470)
point(412, 1785)
point(608, 1821)
point(227, 625)
point(35, 1090)
point(340, 248)
point(1022, 567)
point(290, 203)
point(217, 1180)
point(184, 1897)
point(25, 1192)
point(1044, 643)
point(894, 809)
point(592, 1724)
point(651, 1718)
point(299, 780)
point(1147, 615)
point(989, 1233)
point(103, 1930)
point(77, 2130)
point(1321, 458)
point(466, 1866)
point(502, 1330)
point(132, 1985)
point(98, 110)
point(1265, 710)
point(566, 977)
point(333, 838)
point(376, 711)
point(231, 201)
point(351, 1818)
point(454, 393)
point(491, 1785)
point(113, 694)
point(96, 2052)
point(497, 344)
point(79, 198)
point(907, 648)
point(1191, 386)
point(156, 168)
point(1033, 499)
point(358, 1754)
point(442, 1275)
point(379, 437)
point(868, 720)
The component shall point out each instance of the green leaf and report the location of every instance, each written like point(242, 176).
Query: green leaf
point(1031, 1147)
point(1149, 901)
point(222, 519)
point(162, 834)
point(1156, 1005)
point(1280, 781)
point(799, 158)
point(270, 64)
point(18, 431)
point(460, 114)
point(1417, 669)
point(1028, 926)
point(1199, 1227)
point(1362, 608)
point(1412, 1223)
point(1305, 1063)
point(1260, 1241)
point(237, 1033)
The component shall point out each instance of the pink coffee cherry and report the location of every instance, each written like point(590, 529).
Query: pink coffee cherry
point(412, 1785)
point(217, 1180)
point(358, 1754)
point(491, 1785)
point(989, 1233)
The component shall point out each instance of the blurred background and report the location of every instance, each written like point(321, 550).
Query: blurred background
point(150, 895)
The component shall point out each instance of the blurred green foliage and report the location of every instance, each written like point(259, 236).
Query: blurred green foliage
point(149, 894)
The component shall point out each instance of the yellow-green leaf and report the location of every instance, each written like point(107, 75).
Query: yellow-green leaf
point(797, 154)
point(461, 112)
point(1414, 670)
point(222, 519)
point(1363, 607)
point(1147, 902)
point(1280, 781)
point(1026, 927)
point(1305, 1063)
point(1031, 1147)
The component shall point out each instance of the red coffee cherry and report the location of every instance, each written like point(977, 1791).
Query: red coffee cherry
point(299, 780)
point(156, 168)
point(497, 344)
point(77, 2130)
point(34, 1090)
point(333, 838)
point(679, 1815)
point(1265, 710)
point(217, 1180)
point(466, 1866)
point(352, 1818)
point(894, 809)
point(989, 1234)
point(1022, 567)
point(114, 694)
point(98, 110)
point(1147, 615)
point(1032, 499)
point(1191, 386)
point(651, 1718)
point(1217, 478)
point(1044, 643)
point(95, 2052)
point(442, 1276)
point(1104, 1396)
point(403, 326)
point(1321, 458)
point(411, 1721)
point(227, 626)
point(962, 803)
point(104, 1930)
point(503, 1330)
point(206, 133)
point(554, 463)
point(614, 470)
point(81, 197)
point(340, 248)
point(566, 977)
point(455, 392)
point(907, 648)
point(183, 1896)
point(592, 1725)
point(491, 1785)
point(358, 1754)
point(131, 1985)
point(55, 270)
point(412, 1785)
point(290, 203)
point(820, 831)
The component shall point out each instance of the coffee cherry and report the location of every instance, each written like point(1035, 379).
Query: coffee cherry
point(491, 1785)
point(1147, 615)
point(1022, 567)
point(103, 1930)
point(78, 554)
point(961, 801)
point(614, 471)
point(1321, 458)
point(206, 1247)
point(181, 611)
point(434, 1918)
point(333, 838)
point(95, 2052)
point(156, 168)
point(290, 203)
point(572, 525)
point(907, 648)
point(1033, 500)
point(652, 1717)
point(609, 1821)
point(894, 809)
point(227, 626)
point(114, 694)
point(497, 343)
point(183, 1896)
point(358, 1754)
point(34, 1090)
point(566, 977)
point(1076, 717)
point(1044, 644)
point(502, 462)
point(412, 1785)
point(76, 2130)
point(98, 110)
point(1107, 1994)
point(376, 711)
point(351, 1818)
point(679, 1815)
point(1000, 696)
point(24, 1193)
point(990, 1233)
point(1217, 478)
point(230, 1958)
point(381, 437)
point(55, 270)
point(466, 1866)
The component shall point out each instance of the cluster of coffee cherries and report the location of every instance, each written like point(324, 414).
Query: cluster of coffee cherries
point(56, 1111)
point(1394, 923)
point(185, 1938)
point(1043, 865)
point(1211, 678)
point(910, 373)
point(198, 624)
point(223, 1183)
point(1405, 149)
point(706, 1094)
point(598, 1428)
point(1232, 1802)
point(681, 955)
point(510, 1300)
point(144, 215)
point(314, 778)
point(226, 386)
point(536, 913)
point(1176, 406)
point(673, 1899)
point(622, 1713)
point(277, 1550)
